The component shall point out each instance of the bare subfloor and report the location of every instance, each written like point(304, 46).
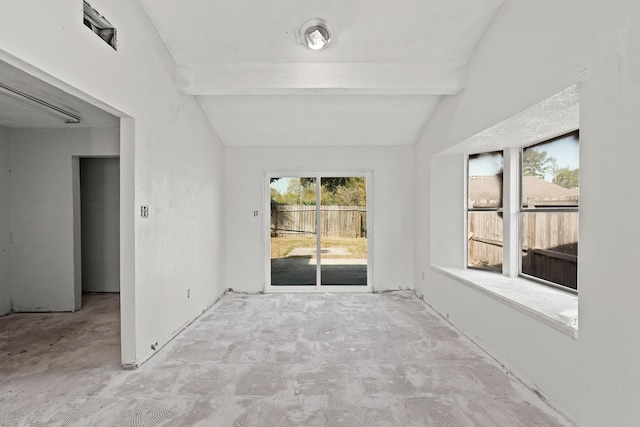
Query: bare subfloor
point(262, 360)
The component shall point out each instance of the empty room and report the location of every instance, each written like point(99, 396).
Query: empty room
point(344, 214)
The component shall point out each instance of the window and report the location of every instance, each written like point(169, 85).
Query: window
point(549, 210)
point(544, 239)
point(484, 211)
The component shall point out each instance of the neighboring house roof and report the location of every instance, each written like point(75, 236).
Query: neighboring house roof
point(483, 189)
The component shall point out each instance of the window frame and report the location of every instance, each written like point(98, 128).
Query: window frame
point(512, 211)
point(556, 115)
point(522, 210)
point(498, 210)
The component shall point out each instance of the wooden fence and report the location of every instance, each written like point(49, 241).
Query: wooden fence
point(335, 221)
point(485, 240)
point(549, 244)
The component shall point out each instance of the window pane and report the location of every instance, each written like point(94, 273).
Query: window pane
point(550, 246)
point(293, 231)
point(550, 173)
point(485, 240)
point(485, 180)
point(343, 231)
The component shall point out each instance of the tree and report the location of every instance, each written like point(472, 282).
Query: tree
point(567, 177)
point(353, 193)
point(537, 163)
point(345, 191)
point(274, 194)
point(300, 191)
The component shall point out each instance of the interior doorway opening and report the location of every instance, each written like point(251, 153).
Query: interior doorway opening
point(40, 261)
point(100, 224)
point(319, 232)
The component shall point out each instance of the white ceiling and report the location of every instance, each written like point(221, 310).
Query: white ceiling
point(259, 31)
point(19, 114)
point(318, 119)
point(388, 65)
point(379, 82)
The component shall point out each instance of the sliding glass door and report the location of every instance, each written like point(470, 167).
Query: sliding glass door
point(317, 233)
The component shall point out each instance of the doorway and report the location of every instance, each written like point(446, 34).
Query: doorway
point(100, 224)
point(318, 232)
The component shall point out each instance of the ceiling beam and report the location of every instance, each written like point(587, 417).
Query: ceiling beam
point(320, 78)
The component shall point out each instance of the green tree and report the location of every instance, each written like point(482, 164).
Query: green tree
point(274, 194)
point(567, 177)
point(299, 192)
point(353, 193)
point(537, 163)
point(346, 191)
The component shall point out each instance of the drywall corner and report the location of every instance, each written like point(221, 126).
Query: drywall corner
point(77, 245)
point(127, 243)
point(5, 256)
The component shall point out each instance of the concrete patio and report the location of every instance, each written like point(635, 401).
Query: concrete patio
point(294, 271)
point(262, 360)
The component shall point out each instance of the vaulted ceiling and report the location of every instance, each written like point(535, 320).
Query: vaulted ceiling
point(378, 83)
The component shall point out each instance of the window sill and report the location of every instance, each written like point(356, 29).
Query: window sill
point(551, 306)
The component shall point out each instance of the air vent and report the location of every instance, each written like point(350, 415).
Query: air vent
point(99, 25)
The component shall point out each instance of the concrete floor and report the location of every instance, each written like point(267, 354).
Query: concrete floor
point(262, 360)
point(296, 271)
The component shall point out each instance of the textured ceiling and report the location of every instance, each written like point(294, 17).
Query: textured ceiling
point(402, 31)
point(378, 83)
point(554, 116)
point(318, 120)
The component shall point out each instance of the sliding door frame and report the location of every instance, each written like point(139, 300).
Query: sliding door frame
point(267, 233)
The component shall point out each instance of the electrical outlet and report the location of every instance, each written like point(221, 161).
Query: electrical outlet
point(144, 211)
point(423, 275)
point(188, 293)
point(255, 213)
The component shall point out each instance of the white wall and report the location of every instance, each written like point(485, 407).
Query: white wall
point(100, 201)
point(392, 206)
point(532, 51)
point(5, 255)
point(176, 156)
point(42, 213)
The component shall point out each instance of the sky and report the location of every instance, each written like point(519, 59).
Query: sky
point(281, 185)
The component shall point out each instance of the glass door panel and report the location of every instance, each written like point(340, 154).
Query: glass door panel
point(343, 231)
point(293, 240)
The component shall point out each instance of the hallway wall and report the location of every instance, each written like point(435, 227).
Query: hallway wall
point(5, 255)
point(173, 161)
point(392, 206)
point(42, 213)
point(532, 51)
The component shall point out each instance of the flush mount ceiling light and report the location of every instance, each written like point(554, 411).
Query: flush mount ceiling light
point(315, 34)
